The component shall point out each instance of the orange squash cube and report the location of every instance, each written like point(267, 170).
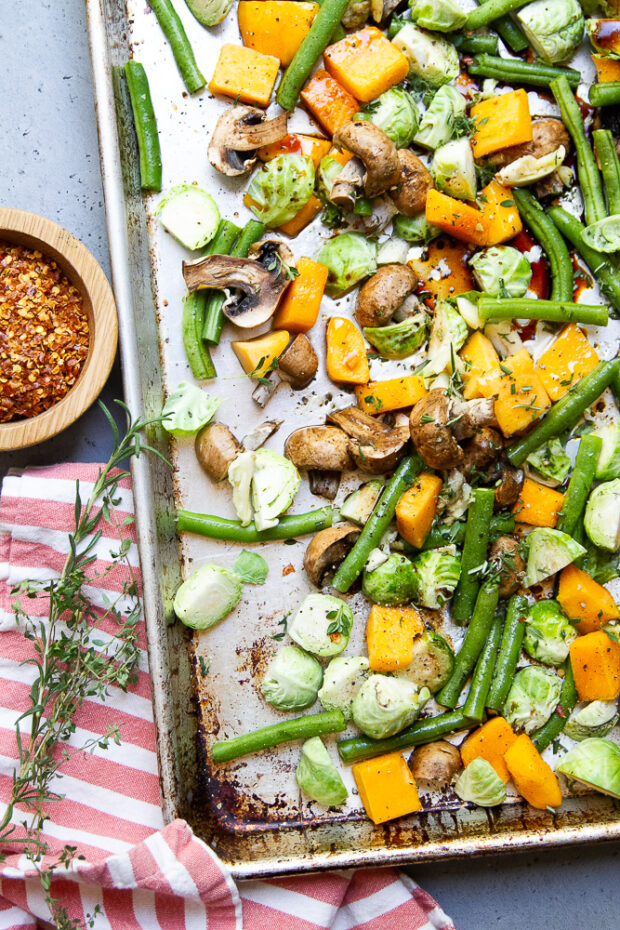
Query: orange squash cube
point(538, 505)
point(607, 69)
point(501, 214)
point(416, 509)
point(299, 308)
point(491, 742)
point(521, 397)
point(584, 599)
point(366, 63)
point(566, 361)
point(275, 27)
point(346, 353)
point(533, 778)
point(595, 660)
point(387, 787)
point(328, 102)
point(296, 144)
point(241, 72)
point(480, 359)
point(390, 632)
point(305, 216)
point(500, 122)
point(256, 355)
point(391, 394)
point(457, 218)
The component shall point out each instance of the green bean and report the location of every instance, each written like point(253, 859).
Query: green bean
point(285, 731)
point(309, 52)
point(580, 483)
point(610, 166)
point(555, 311)
point(603, 267)
point(558, 720)
point(615, 386)
point(605, 95)
point(509, 652)
point(172, 27)
point(527, 72)
point(146, 126)
point(289, 526)
point(566, 412)
point(442, 535)
point(511, 33)
point(383, 512)
point(363, 206)
point(423, 731)
point(548, 236)
point(588, 173)
point(474, 553)
point(474, 44)
point(214, 318)
point(491, 10)
point(478, 630)
point(483, 673)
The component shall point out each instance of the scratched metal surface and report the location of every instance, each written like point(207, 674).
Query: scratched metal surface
point(250, 810)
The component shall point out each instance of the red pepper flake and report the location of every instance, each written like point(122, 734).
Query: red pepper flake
point(44, 333)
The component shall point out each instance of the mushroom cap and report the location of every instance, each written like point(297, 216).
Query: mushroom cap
point(325, 448)
point(430, 433)
point(298, 363)
point(547, 135)
point(358, 424)
point(327, 549)
point(470, 416)
point(415, 183)
point(240, 130)
point(380, 296)
point(376, 150)
point(216, 448)
point(435, 763)
point(509, 488)
point(378, 456)
point(484, 448)
point(508, 562)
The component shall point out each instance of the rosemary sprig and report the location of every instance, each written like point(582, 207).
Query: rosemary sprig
point(72, 662)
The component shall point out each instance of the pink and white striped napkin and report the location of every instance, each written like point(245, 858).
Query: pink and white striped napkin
point(135, 873)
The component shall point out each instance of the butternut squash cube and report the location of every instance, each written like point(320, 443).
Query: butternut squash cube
point(366, 63)
point(457, 218)
point(296, 144)
point(241, 72)
point(387, 787)
point(299, 308)
point(595, 660)
point(521, 396)
point(391, 394)
point(566, 361)
point(328, 102)
point(480, 358)
point(533, 778)
point(584, 599)
point(607, 69)
point(416, 509)
point(346, 353)
point(305, 216)
point(501, 214)
point(538, 505)
point(256, 355)
point(390, 632)
point(491, 742)
point(275, 27)
point(500, 122)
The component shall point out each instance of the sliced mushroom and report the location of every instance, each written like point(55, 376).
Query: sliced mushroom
point(358, 424)
point(381, 9)
point(469, 416)
point(325, 448)
point(547, 135)
point(266, 388)
point(383, 212)
point(414, 185)
point(256, 283)
point(216, 448)
point(238, 133)
point(509, 488)
point(483, 449)
point(381, 296)
point(431, 434)
point(298, 363)
point(327, 550)
point(378, 456)
point(436, 764)
point(258, 436)
point(376, 150)
point(324, 483)
point(348, 185)
point(505, 558)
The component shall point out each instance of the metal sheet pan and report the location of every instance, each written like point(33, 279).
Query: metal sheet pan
point(249, 811)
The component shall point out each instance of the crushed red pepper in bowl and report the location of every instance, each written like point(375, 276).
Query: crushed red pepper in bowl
point(44, 332)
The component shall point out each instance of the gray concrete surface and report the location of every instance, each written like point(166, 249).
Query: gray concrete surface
point(49, 164)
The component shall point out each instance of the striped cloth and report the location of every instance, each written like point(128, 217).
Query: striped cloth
point(135, 873)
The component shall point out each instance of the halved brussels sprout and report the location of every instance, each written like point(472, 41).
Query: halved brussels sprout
point(480, 784)
point(358, 506)
point(317, 776)
point(608, 465)
point(292, 679)
point(549, 551)
point(602, 517)
point(595, 719)
point(502, 270)
point(467, 305)
point(399, 340)
point(437, 575)
point(343, 678)
point(551, 462)
point(329, 169)
point(437, 124)
point(321, 625)
point(554, 27)
point(396, 113)
point(604, 235)
point(430, 57)
point(415, 229)
point(533, 696)
point(548, 633)
point(448, 334)
point(432, 662)
point(209, 12)
point(529, 168)
point(208, 595)
point(392, 583)
point(454, 170)
point(188, 409)
point(280, 188)
point(437, 15)
point(264, 484)
point(349, 257)
point(596, 763)
point(393, 251)
point(384, 706)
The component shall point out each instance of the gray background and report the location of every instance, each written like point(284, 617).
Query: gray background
point(49, 165)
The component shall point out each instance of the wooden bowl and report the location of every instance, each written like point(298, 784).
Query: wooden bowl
point(82, 269)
